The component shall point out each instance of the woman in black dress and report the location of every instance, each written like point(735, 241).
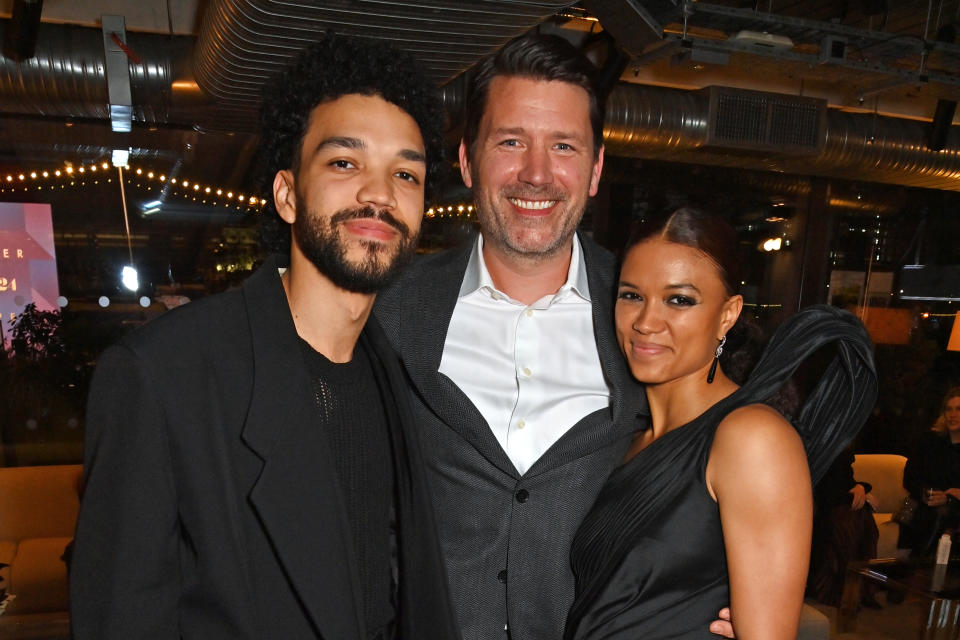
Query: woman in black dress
point(713, 503)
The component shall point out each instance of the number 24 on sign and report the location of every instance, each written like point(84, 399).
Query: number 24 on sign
point(8, 285)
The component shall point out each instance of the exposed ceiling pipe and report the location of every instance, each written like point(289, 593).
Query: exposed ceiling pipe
point(670, 124)
point(67, 78)
point(243, 42)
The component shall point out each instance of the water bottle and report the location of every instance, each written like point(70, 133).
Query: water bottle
point(943, 549)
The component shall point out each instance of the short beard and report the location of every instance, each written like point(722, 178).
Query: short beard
point(496, 233)
point(320, 240)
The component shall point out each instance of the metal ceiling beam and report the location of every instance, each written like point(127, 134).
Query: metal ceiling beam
point(729, 45)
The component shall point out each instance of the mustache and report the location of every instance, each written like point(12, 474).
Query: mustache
point(369, 212)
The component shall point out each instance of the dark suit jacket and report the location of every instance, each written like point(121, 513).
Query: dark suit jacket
point(506, 537)
point(212, 507)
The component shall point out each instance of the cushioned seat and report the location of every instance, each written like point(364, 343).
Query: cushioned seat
point(38, 513)
point(884, 472)
point(39, 577)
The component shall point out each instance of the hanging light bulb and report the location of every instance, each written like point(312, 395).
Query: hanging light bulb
point(130, 278)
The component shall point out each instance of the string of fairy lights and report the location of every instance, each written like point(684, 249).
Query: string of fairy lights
point(90, 174)
point(450, 211)
point(83, 175)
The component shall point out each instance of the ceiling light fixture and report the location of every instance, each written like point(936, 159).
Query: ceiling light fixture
point(772, 244)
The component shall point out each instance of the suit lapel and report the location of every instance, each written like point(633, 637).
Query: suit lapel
point(297, 495)
point(628, 397)
point(428, 307)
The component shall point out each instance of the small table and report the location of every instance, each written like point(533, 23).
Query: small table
point(938, 583)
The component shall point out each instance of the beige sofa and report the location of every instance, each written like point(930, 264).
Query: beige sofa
point(38, 513)
point(885, 472)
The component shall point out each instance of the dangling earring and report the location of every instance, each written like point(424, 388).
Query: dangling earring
point(716, 360)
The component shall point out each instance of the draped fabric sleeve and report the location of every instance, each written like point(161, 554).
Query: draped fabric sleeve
point(843, 398)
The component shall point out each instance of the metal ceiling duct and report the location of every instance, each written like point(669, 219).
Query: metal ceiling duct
point(671, 124)
point(67, 76)
point(243, 42)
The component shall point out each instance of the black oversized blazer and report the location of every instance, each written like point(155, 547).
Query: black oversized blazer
point(211, 507)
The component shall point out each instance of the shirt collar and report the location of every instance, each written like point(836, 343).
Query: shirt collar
point(477, 278)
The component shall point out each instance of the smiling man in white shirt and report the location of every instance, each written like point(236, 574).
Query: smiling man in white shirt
point(522, 399)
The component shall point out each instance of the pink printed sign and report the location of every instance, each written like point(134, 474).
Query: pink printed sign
point(28, 263)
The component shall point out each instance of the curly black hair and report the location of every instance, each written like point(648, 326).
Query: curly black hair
point(326, 70)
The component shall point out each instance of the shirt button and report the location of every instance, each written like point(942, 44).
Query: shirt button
point(502, 576)
point(522, 495)
point(527, 372)
point(521, 424)
point(529, 313)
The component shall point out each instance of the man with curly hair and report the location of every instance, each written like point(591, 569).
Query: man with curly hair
point(249, 469)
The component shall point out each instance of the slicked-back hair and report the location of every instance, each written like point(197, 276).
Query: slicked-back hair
point(334, 67)
point(699, 230)
point(538, 57)
point(712, 235)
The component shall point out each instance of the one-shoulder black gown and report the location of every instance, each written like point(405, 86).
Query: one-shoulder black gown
point(649, 557)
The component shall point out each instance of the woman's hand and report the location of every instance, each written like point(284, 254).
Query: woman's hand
point(953, 493)
point(859, 497)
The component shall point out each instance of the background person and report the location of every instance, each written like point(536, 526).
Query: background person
point(932, 476)
point(843, 531)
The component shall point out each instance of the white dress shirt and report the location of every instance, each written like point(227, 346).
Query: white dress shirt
point(532, 371)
